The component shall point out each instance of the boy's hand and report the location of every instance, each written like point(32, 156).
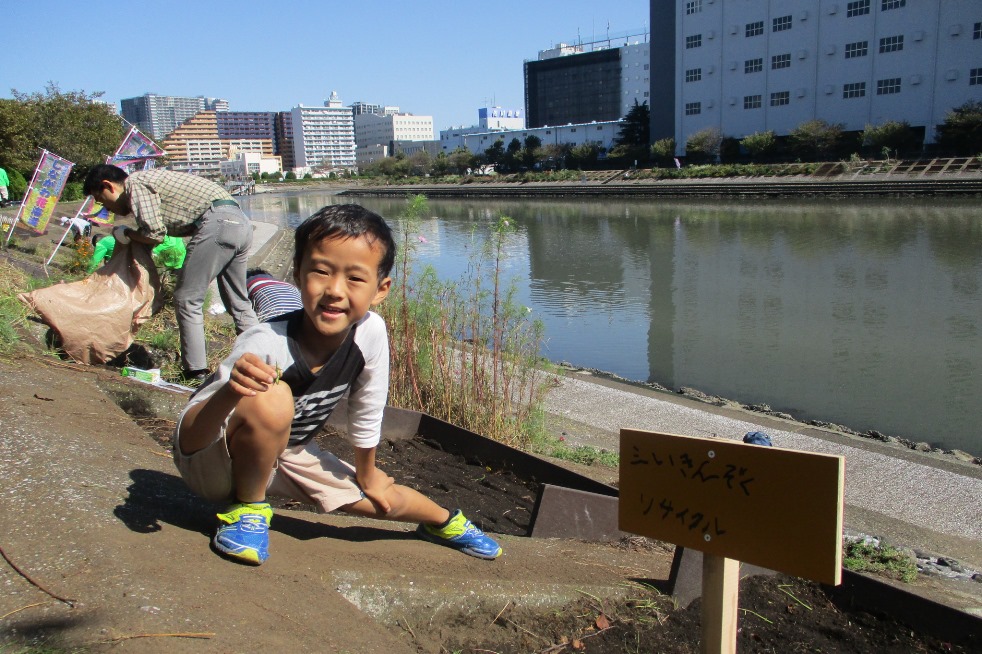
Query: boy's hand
point(376, 484)
point(251, 375)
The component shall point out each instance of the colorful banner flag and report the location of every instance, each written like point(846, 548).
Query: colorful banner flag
point(45, 190)
point(136, 146)
point(135, 152)
point(95, 213)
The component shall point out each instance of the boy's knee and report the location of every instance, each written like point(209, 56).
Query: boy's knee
point(270, 411)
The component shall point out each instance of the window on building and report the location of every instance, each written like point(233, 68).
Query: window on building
point(693, 108)
point(694, 41)
point(780, 98)
point(975, 77)
point(781, 61)
point(857, 49)
point(753, 65)
point(693, 6)
point(891, 43)
point(600, 128)
point(755, 29)
point(573, 129)
point(781, 23)
point(854, 90)
point(857, 8)
point(888, 86)
point(646, 66)
point(887, 5)
point(751, 101)
point(977, 32)
point(693, 75)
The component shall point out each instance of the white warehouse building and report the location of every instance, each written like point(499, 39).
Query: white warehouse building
point(757, 65)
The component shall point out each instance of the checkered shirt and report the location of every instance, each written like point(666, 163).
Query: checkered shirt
point(166, 202)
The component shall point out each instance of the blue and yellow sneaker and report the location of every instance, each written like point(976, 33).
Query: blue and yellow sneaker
point(245, 535)
point(460, 534)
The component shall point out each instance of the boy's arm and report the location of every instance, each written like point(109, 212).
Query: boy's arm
point(374, 483)
point(249, 375)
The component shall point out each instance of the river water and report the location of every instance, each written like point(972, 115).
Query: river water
point(862, 313)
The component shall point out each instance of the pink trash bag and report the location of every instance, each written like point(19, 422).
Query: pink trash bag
point(96, 317)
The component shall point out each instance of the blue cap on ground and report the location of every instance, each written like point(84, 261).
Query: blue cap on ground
point(757, 438)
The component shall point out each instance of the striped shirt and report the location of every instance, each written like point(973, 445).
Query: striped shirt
point(359, 368)
point(165, 202)
point(271, 298)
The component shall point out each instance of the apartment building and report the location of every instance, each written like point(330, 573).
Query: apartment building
point(197, 145)
point(323, 136)
point(158, 115)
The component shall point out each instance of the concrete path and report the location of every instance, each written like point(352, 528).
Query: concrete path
point(918, 499)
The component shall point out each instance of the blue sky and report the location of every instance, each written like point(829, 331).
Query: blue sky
point(440, 58)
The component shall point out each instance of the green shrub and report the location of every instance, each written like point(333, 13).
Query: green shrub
point(17, 186)
point(72, 192)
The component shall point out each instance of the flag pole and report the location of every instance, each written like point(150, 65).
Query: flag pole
point(27, 192)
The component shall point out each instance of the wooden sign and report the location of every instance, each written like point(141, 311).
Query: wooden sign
point(776, 508)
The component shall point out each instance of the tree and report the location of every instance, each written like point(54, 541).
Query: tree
point(961, 131)
point(759, 144)
point(635, 133)
point(663, 150)
point(531, 151)
point(704, 145)
point(584, 157)
point(513, 155)
point(461, 160)
point(815, 139)
point(891, 135)
point(441, 164)
point(496, 153)
point(72, 124)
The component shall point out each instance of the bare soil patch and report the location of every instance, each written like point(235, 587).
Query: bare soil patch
point(777, 614)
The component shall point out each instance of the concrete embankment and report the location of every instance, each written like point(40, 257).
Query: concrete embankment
point(713, 188)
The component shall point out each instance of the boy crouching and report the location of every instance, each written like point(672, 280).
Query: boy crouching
point(249, 429)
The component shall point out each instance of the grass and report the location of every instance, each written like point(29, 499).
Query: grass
point(13, 312)
point(465, 351)
point(863, 556)
point(559, 448)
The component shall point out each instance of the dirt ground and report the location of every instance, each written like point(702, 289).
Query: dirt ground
point(93, 511)
point(777, 614)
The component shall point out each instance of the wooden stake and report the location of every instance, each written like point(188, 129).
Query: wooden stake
point(720, 597)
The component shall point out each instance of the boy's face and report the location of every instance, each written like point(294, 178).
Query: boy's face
point(113, 197)
point(338, 281)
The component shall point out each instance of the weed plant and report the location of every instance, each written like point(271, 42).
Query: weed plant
point(863, 556)
point(464, 351)
point(13, 312)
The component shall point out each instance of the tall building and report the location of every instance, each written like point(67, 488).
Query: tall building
point(198, 146)
point(284, 139)
point(376, 135)
point(158, 115)
point(761, 65)
point(324, 136)
point(596, 81)
point(372, 129)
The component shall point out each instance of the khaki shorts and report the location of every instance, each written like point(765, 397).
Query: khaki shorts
point(305, 473)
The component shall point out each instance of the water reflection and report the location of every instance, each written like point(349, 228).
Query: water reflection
point(861, 313)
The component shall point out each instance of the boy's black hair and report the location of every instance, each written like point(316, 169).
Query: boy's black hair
point(102, 173)
point(97, 238)
point(252, 272)
point(346, 221)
